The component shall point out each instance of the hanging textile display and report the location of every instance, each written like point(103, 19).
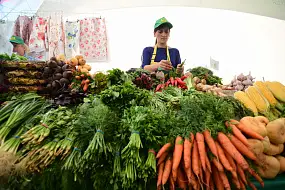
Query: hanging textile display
point(55, 34)
point(37, 42)
point(93, 40)
point(23, 28)
point(6, 30)
point(100, 51)
point(71, 39)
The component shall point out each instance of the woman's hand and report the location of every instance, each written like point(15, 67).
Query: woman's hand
point(180, 68)
point(165, 65)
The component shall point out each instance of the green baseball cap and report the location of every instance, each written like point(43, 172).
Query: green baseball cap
point(162, 21)
point(16, 40)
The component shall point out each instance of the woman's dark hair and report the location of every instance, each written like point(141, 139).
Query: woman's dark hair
point(163, 26)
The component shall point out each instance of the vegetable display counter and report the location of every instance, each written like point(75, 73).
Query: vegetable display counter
point(277, 183)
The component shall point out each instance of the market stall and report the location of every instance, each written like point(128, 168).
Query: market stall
point(140, 130)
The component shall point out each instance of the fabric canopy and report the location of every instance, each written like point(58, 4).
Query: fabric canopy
point(269, 8)
point(11, 9)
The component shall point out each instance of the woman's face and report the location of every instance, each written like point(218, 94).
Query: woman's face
point(19, 49)
point(162, 35)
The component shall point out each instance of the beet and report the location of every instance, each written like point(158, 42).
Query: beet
point(47, 70)
point(65, 67)
point(56, 84)
point(67, 74)
point(58, 69)
point(64, 81)
point(57, 76)
point(52, 64)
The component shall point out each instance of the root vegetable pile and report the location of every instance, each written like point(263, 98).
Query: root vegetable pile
point(203, 161)
point(242, 82)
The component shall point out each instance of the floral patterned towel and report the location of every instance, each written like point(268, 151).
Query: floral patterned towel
point(55, 35)
point(72, 39)
point(93, 39)
point(37, 43)
point(23, 28)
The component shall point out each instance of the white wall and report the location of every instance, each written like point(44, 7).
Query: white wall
point(240, 42)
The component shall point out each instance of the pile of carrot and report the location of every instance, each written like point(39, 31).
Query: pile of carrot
point(201, 161)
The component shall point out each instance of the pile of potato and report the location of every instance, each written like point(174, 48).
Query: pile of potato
point(269, 150)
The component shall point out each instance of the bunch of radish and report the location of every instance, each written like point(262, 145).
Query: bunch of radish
point(242, 82)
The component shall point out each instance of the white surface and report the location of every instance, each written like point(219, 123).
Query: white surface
point(240, 42)
point(270, 8)
point(11, 9)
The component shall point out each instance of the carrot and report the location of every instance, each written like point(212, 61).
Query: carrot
point(201, 149)
point(208, 177)
point(231, 160)
point(249, 131)
point(242, 186)
point(242, 148)
point(163, 149)
point(223, 158)
point(256, 176)
point(177, 155)
point(218, 182)
point(181, 179)
point(201, 172)
point(241, 174)
point(238, 134)
point(162, 158)
point(210, 142)
point(192, 180)
point(82, 82)
point(195, 159)
point(225, 180)
point(85, 88)
point(188, 164)
point(251, 185)
point(187, 153)
point(160, 172)
point(166, 171)
point(230, 148)
point(218, 165)
point(208, 164)
point(171, 183)
point(236, 182)
point(212, 186)
point(195, 163)
point(232, 163)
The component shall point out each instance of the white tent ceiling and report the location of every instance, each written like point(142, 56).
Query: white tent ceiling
point(10, 9)
point(269, 8)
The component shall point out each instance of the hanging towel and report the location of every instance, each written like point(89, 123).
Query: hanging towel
point(6, 30)
point(72, 39)
point(37, 42)
point(93, 40)
point(100, 51)
point(23, 28)
point(55, 35)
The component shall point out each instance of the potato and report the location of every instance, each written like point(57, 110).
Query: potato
point(83, 70)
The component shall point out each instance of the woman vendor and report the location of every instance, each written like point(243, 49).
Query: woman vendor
point(20, 47)
point(161, 57)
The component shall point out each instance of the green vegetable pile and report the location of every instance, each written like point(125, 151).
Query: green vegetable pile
point(107, 142)
point(13, 57)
